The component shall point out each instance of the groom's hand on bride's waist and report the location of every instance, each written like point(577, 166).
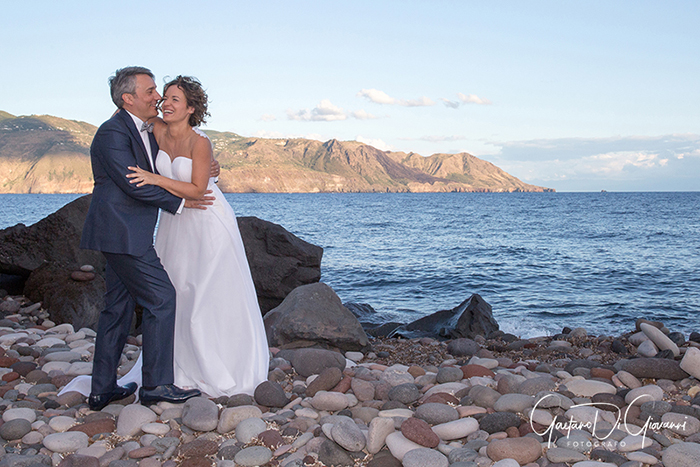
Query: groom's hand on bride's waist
point(201, 203)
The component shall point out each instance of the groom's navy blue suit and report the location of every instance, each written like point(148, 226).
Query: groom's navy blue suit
point(120, 223)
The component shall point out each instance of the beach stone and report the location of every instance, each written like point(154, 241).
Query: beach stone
point(656, 368)
point(633, 443)
point(449, 374)
point(506, 463)
point(92, 428)
point(647, 349)
point(142, 452)
point(232, 416)
point(463, 347)
point(471, 370)
point(563, 455)
point(314, 312)
point(397, 375)
point(647, 393)
point(379, 429)
point(271, 438)
point(538, 384)
point(66, 442)
point(456, 429)
point(681, 455)
point(307, 362)
point(499, 421)
point(661, 340)
point(509, 384)
point(462, 455)
point(270, 394)
point(249, 428)
point(15, 429)
point(684, 425)
point(523, 450)
point(691, 362)
point(628, 379)
point(589, 388)
point(516, 403)
point(79, 460)
point(61, 423)
point(200, 414)
point(484, 396)
point(253, 455)
point(424, 457)
point(132, 417)
point(348, 435)
point(399, 445)
point(418, 431)
point(330, 401)
point(23, 368)
point(406, 393)
point(600, 464)
point(325, 381)
point(198, 448)
point(363, 390)
point(331, 454)
point(434, 413)
point(22, 412)
point(607, 456)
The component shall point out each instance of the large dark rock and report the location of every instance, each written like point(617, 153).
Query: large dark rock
point(54, 239)
point(314, 313)
point(473, 317)
point(279, 261)
point(67, 300)
point(46, 253)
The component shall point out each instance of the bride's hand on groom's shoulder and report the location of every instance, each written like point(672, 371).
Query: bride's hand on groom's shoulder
point(201, 203)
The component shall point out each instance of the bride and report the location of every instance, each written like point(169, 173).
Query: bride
point(220, 342)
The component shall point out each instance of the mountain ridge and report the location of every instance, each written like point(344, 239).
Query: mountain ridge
point(48, 154)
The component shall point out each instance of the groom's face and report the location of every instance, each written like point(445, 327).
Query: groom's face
point(143, 103)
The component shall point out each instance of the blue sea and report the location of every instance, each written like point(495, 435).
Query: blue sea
point(542, 260)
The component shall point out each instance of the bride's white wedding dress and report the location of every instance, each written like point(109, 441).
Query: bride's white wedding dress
point(220, 342)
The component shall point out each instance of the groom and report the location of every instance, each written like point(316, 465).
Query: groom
point(120, 223)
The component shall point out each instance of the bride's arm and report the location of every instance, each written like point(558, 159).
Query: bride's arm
point(201, 162)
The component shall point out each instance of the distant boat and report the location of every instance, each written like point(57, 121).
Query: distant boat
point(603, 191)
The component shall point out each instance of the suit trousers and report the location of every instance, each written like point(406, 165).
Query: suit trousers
point(135, 280)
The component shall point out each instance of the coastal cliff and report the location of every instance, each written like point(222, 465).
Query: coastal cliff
point(46, 154)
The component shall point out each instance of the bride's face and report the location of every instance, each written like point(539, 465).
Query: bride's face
point(174, 105)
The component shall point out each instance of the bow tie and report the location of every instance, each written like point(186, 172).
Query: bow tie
point(147, 127)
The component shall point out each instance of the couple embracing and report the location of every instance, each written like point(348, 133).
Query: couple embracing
point(202, 327)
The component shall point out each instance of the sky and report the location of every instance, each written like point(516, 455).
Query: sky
point(571, 95)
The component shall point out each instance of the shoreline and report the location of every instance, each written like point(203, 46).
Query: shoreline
point(408, 402)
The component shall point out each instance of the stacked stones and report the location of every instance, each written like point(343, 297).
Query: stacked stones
point(416, 403)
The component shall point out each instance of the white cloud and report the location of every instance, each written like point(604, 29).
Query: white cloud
point(362, 115)
point(472, 99)
point(325, 111)
point(268, 118)
point(377, 143)
point(380, 97)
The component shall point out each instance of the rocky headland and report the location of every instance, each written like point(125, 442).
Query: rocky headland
point(46, 154)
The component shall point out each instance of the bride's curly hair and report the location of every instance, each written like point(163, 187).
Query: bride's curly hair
point(195, 95)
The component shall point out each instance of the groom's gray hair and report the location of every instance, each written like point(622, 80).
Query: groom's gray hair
point(124, 81)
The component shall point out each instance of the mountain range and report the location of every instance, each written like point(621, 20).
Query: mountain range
point(47, 154)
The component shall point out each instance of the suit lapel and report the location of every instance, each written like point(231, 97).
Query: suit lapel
point(154, 150)
point(143, 156)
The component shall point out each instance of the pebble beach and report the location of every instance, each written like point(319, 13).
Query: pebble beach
point(571, 399)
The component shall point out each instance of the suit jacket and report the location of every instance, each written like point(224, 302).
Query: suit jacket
point(122, 217)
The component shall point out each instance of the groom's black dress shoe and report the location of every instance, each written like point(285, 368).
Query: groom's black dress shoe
point(100, 401)
point(166, 393)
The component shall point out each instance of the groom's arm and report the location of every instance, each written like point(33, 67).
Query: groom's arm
point(112, 148)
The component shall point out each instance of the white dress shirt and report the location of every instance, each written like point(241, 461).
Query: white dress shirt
point(147, 143)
